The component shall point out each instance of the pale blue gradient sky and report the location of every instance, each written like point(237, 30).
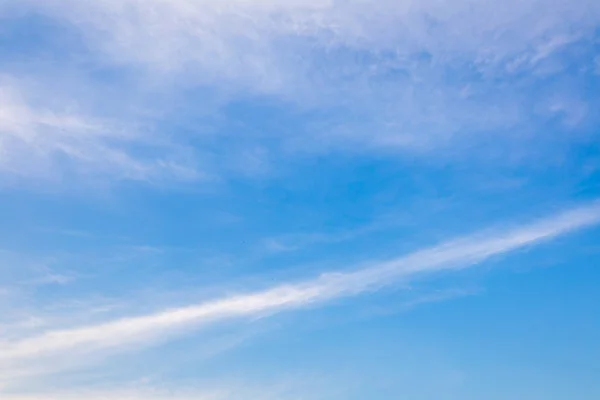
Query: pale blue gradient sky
point(258, 199)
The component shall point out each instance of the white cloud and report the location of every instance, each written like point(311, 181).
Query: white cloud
point(403, 68)
point(234, 38)
point(409, 74)
point(294, 388)
point(297, 241)
point(126, 394)
point(117, 395)
point(42, 141)
point(136, 331)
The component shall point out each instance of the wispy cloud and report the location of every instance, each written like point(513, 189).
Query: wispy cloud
point(419, 300)
point(412, 75)
point(146, 389)
point(241, 40)
point(297, 241)
point(42, 140)
point(141, 392)
point(119, 395)
point(454, 255)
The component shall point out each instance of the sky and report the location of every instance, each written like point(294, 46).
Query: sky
point(299, 200)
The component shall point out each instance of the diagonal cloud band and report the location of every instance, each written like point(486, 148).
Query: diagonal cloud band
point(453, 255)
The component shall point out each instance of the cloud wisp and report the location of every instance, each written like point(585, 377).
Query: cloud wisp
point(426, 70)
point(384, 75)
point(245, 41)
point(42, 140)
point(453, 255)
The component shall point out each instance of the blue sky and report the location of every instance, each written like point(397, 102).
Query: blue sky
point(310, 199)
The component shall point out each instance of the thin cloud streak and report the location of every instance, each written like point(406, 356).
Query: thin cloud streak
point(454, 255)
point(131, 394)
point(39, 139)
